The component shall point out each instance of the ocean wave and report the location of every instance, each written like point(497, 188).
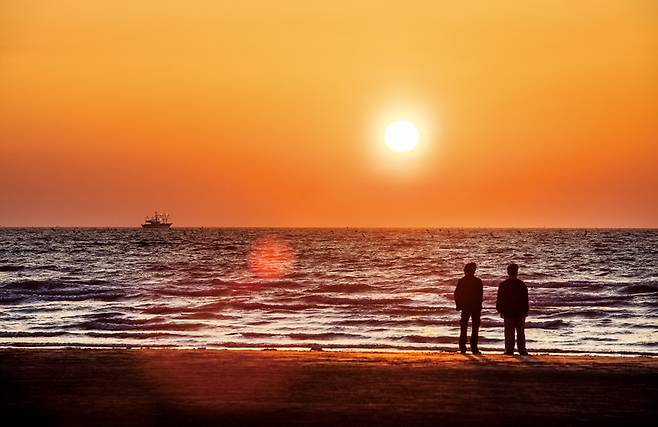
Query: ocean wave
point(11, 268)
point(280, 284)
point(11, 299)
point(165, 309)
point(34, 285)
point(397, 323)
point(227, 305)
point(408, 310)
point(581, 313)
point(205, 315)
point(160, 268)
point(58, 290)
point(78, 344)
point(601, 339)
point(645, 288)
point(252, 335)
point(53, 284)
point(250, 306)
point(431, 290)
point(579, 285)
point(25, 334)
point(325, 336)
point(133, 335)
point(583, 301)
point(213, 292)
point(138, 325)
point(549, 324)
point(423, 339)
point(336, 301)
point(344, 288)
point(593, 289)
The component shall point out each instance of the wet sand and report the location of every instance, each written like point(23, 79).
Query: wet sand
point(199, 387)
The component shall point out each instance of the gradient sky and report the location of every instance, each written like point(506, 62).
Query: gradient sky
point(531, 113)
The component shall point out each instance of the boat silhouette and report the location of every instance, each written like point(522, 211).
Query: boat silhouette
point(158, 220)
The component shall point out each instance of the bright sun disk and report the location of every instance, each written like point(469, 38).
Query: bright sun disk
point(401, 136)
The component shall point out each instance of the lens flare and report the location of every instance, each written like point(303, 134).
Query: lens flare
point(270, 257)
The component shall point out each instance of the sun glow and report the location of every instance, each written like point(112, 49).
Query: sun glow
point(401, 136)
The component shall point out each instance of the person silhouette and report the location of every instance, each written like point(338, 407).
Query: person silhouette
point(468, 300)
point(512, 304)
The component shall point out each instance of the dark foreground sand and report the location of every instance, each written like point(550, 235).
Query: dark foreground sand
point(188, 387)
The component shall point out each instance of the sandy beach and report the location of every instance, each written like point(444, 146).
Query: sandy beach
point(185, 387)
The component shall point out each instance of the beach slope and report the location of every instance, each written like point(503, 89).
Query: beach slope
point(199, 387)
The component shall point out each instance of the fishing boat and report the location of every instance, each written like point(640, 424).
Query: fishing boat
point(158, 220)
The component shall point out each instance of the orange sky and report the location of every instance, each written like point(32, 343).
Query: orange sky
point(531, 113)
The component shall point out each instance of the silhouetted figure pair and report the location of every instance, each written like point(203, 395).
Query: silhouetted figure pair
point(511, 303)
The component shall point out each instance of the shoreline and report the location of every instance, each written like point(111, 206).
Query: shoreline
point(310, 347)
point(72, 386)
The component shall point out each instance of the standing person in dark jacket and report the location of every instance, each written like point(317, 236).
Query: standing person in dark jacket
point(512, 304)
point(468, 299)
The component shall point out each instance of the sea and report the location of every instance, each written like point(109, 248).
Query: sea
point(591, 291)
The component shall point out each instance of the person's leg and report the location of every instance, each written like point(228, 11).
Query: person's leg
point(520, 335)
point(509, 335)
point(463, 323)
point(475, 316)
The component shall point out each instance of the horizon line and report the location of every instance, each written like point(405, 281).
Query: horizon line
point(340, 227)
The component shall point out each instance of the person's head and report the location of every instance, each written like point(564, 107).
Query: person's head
point(469, 269)
point(512, 270)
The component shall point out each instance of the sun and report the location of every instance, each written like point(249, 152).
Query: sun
point(401, 136)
